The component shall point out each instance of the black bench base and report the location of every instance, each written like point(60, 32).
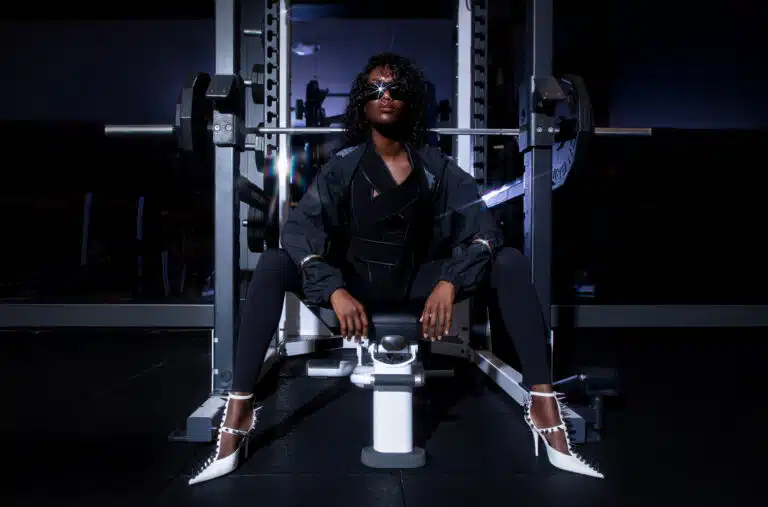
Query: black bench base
point(372, 458)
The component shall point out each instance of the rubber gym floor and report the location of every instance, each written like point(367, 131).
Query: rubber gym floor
point(87, 416)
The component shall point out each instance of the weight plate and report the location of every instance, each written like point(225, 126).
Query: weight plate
point(272, 219)
point(574, 119)
point(263, 228)
point(257, 83)
point(193, 115)
point(444, 110)
point(255, 233)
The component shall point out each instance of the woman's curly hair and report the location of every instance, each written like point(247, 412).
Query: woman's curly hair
point(410, 80)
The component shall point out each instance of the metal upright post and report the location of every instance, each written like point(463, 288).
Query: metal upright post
point(271, 38)
point(462, 153)
point(251, 166)
point(471, 85)
point(284, 109)
point(471, 112)
point(462, 150)
point(537, 96)
point(296, 319)
point(227, 204)
point(480, 89)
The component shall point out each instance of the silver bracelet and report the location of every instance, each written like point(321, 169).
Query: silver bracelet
point(309, 258)
point(483, 242)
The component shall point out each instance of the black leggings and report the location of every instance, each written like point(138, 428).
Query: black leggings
point(509, 281)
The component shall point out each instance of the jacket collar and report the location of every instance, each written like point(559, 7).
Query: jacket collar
point(429, 158)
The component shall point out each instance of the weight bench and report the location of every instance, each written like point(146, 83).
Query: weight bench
point(388, 363)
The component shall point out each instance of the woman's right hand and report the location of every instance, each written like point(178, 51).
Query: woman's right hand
point(351, 314)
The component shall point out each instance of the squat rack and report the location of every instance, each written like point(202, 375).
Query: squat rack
point(236, 37)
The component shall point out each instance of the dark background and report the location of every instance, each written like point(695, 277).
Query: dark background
point(676, 218)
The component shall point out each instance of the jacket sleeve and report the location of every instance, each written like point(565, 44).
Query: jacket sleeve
point(305, 236)
point(475, 236)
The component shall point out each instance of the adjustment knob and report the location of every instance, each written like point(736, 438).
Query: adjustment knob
point(393, 343)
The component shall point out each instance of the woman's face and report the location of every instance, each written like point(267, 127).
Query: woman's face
point(385, 105)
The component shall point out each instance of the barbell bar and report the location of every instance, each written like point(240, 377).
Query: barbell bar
point(152, 130)
point(139, 130)
point(442, 131)
point(603, 131)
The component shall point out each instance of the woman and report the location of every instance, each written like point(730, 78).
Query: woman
point(391, 222)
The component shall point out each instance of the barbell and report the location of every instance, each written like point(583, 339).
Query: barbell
point(193, 126)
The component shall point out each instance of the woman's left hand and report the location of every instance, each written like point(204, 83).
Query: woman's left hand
point(437, 316)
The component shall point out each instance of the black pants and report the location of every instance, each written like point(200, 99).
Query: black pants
point(508, 281)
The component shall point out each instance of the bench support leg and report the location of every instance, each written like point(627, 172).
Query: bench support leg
point(393, 424)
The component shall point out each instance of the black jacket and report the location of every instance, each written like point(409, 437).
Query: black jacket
point(317, 227)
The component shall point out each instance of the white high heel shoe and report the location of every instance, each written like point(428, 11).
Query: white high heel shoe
point(571, 462)
point(214, 467)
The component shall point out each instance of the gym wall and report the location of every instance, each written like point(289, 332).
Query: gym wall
point(646, 66)
point(337, 62)
point(102, 71)
point(131, 71)
point(688, 65)
point(663, 63)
